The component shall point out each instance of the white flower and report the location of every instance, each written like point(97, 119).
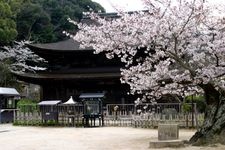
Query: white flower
point(178, 42)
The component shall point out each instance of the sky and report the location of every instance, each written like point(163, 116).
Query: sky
point(132, 5)
point(127, 5)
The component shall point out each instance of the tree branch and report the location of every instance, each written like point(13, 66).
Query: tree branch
point(181, 63)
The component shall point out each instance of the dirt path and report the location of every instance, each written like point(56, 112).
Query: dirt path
point(106, 138)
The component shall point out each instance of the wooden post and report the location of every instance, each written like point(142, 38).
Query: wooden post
point(0, 109)
point(192, 111)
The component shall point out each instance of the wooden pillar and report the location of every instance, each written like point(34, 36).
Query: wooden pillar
point(41, 92)
point(1, 98)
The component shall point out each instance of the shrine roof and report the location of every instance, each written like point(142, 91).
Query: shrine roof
point(8, 91)
point(67, 45)
point(70, 44)
point(47, 76)
point(49, 102)
point(92, 95)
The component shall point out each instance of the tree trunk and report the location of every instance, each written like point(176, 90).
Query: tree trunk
point(213, 129)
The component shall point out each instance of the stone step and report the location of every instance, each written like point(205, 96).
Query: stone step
point(166, 143)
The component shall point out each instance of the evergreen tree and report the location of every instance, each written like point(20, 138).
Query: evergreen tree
point(8, 30)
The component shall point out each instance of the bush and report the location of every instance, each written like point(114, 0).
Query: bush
point(50, 123)
point(186, 107)
point(199, 100)
point(27, 123)
point(27, 105)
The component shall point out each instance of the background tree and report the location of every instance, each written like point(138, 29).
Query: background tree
point(8, 30)
point(6, 78)
point(33, 23)
point(40, 20)
point(174, 47)
point(37, 20)
point(45, 20)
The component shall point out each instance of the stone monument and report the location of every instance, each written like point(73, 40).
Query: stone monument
point(168, 136)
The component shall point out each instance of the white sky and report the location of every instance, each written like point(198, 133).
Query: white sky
point(126, 5)
point(132, 5)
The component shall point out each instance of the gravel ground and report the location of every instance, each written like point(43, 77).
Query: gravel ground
point(68, 138)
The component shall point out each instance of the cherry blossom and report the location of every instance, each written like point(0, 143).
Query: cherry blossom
point(172, 47)
point(19, 55)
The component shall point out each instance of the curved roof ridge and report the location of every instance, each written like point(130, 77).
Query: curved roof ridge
point(66, 45)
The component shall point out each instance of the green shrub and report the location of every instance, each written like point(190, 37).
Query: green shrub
point(27, 123)
point(27, 105)
point(50, 123)
point(186, 107)
point(199, 100)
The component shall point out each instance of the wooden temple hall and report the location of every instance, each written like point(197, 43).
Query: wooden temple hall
point(72, 71)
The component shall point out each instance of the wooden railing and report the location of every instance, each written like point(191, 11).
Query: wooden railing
point(32, 115)
point(130, 109)
point(148, 115)
point(184, 120)
point(144, 116)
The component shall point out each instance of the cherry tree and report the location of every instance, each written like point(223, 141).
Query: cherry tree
point(175, 46)
point(21, 58)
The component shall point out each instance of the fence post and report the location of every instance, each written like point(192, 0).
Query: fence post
point(196, 118)
point(135, 109)
point(107, 109)
point(192, 112)
point(14, 115)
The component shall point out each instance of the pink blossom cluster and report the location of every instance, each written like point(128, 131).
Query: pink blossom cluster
point(19, 55)
point(183, 42)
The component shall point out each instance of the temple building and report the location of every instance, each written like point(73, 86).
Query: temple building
point(72, 71)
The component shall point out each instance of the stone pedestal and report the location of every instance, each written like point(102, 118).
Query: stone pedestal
point(168, 132)
point(167, 143)
point(168, 135)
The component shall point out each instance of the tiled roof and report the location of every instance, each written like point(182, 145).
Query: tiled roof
point(67, 45)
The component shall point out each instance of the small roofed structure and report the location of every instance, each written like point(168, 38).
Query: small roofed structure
point(8, 97)
point(49, 103)
point(93, 111)
point(8, 92)
point(70, 101)
point(72, 112)
point(49, 111)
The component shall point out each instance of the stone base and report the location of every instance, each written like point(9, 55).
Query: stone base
point(166, 143)
point(168, 132)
